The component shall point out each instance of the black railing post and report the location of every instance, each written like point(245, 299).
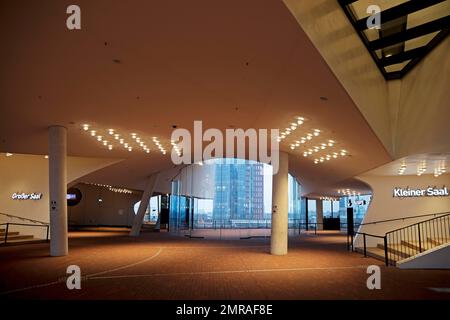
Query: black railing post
point(315, 229)
point(6, 232)
point(351, 241)
point(420, 242)
point(365, 250)
point(348, 244)
point(386, 260)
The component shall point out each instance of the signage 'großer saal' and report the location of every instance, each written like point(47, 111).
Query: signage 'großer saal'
point(428, 192)
point(26, 196)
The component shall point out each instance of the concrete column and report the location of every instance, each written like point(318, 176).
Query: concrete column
point(279, 236)
point(319, 214)
point(58, 190)
point(139, 217)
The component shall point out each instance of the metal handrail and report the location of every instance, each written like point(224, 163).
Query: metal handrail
point(413, 236)
point(364, 234)
point(420, 222)
point(24, 224)
point(23, 218)
point(406, 218)
point(410, 234)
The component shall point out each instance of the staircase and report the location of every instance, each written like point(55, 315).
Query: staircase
point(15, 238)
point(409, 241)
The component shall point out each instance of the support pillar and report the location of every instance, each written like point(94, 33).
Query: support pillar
point(279, 235)
point(58, 190)
point(139, 217)
point(319, 214)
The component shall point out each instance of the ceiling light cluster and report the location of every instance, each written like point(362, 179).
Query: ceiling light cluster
point(422, 167)
point(110, 138)
point(328, 199)
point(175, 147)
point(159, 145)
point(440, 168)
point(322, 146)
point(139, 142)
point(291, 128)
point(111, 188)
point(348, 192)
point(402, 169)
point(329, 156)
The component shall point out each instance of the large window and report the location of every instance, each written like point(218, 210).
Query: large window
point(227, 194)
point(152, 211)
point(359, 203)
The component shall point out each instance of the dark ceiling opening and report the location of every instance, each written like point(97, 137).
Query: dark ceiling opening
point(407, 32)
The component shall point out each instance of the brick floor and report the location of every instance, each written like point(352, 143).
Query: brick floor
point(164, 266)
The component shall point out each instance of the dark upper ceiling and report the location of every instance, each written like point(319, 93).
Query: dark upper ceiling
point(409, 30)
point(143, 66)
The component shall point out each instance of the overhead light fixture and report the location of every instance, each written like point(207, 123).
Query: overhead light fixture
point(110, 147)
point(111, 131)
point(93, 132)
point(99, 138)
point(85, 127)
point(9, 154)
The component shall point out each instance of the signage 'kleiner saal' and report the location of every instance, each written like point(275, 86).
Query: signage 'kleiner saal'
point(428, 192)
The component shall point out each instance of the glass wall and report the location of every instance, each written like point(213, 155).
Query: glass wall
point(153, 209)
point(359, 203)
point(227, 194)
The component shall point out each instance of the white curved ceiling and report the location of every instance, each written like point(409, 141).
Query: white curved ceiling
point(143, 66)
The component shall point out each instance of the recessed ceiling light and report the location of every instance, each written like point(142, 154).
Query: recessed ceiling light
point(85, 127)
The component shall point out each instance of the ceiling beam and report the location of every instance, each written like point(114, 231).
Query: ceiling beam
point(346, 2)
point(398, 11)
point(426, 28)
point(403, 56)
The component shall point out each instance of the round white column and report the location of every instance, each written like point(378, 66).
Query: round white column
point(58, 190)
point(279, 236)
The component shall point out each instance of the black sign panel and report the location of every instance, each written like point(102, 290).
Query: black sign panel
point(73, 197)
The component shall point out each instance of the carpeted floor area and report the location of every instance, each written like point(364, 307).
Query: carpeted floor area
point(165, 266)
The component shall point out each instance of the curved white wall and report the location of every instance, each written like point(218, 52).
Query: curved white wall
point(384, 206)
point(28, 174)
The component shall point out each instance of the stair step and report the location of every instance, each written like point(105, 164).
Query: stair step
point(19, 237)
point(10, 233)
point(437, 241)
point(398, 249)
point(22, 241)
point(378, 254)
